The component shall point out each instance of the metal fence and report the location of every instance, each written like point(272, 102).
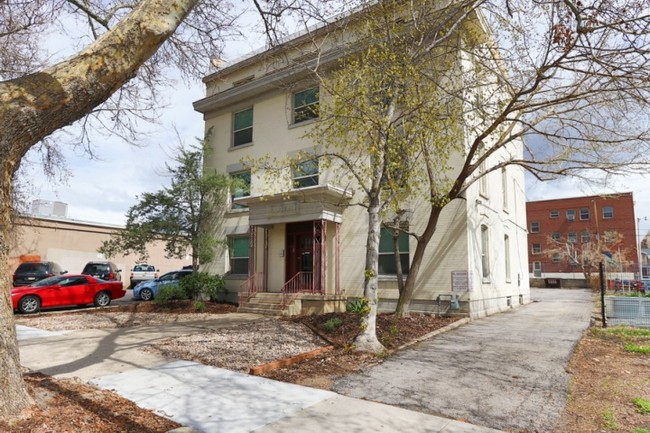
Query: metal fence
point(625, 310)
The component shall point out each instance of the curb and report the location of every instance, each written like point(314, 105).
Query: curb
point(260, 369)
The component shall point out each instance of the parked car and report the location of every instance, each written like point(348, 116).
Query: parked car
point(147, 290)
point(31, 272)
point(65, 290)
point(142, 272)
point(103, 269)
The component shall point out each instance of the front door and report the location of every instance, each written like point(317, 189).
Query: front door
point(300, 253)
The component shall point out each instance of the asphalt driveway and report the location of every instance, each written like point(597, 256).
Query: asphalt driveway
point(506, 371)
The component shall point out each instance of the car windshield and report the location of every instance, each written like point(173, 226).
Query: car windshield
point(48, 281)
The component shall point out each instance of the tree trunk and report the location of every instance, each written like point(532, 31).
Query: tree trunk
point(403, 303)
point(14, 398)
point(34, 106)
point(367, 339)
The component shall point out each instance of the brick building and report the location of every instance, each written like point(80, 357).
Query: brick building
point(566, 235)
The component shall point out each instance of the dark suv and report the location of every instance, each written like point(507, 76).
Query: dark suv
point(30, 272)
point(104, 270)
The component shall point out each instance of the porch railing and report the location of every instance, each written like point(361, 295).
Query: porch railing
point(252, 285)
point(302, 282)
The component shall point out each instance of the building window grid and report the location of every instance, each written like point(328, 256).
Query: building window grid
point(485, 253)
point(584, 214)
point(554, 214)
point(305, 105)
point(585, 237)
point(571, 215)
point(305, 173)
point(534, 227)
point(572, 237)
point(556, 236)
point(241, 187)
point(537, 248)
point(239, 252)
point(608, 212)
point(506, 247)
point(243, 127)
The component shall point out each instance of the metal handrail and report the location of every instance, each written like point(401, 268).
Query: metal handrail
point(251, 286)
point(302, 282)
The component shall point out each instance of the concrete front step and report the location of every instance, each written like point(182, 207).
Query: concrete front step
point(263, 311)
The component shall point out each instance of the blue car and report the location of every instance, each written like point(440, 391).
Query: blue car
point(147, 290)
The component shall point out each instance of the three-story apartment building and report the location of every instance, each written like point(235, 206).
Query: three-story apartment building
point(297, 238)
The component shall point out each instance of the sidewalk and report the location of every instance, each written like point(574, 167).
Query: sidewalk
point(214, 400)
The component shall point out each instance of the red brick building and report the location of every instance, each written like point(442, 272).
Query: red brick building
point(560, 230)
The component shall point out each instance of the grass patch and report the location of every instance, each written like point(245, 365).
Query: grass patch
point(637, 349)
point(643, 405)
point(609, 420)
point(332, 324)
point(640, 430)
point(623, 331)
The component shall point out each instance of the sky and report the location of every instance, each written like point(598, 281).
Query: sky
point(102, 190)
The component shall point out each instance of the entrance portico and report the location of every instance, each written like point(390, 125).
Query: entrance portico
point(295, 246)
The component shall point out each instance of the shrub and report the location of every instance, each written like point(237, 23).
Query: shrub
point(357, 306)
point(202, 285)
point(643, 405)
point(169, 293)
point(332, 324)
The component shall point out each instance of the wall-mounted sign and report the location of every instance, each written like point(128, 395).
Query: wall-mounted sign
point(460, 281)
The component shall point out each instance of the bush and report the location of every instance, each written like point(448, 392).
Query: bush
point(332, 324)
point(202, 285)
point(358, 306)
point(168, 293)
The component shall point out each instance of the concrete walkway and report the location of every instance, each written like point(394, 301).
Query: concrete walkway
point(208, 399)
point(506, 371)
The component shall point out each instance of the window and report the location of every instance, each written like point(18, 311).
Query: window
point(483, 181)
point(554, 214)
point(584, 213)
point(485, 252)
point(556, 258)
point(243, 127)
point(241, 187)
point(504, 187)
point(387, 264)
point(556, 236)
point(534, 227)
point(608, 213)
point(537, 269)
point(239, 248)
point(586, 237)
point(537, 248)
point(506, 251)
point(571, 215)
point(305, 174)
point(572, 237)
point(305, 105)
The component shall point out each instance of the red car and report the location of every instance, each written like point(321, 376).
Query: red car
point(65, 290)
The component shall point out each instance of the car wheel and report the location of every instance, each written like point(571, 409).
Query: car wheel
point(146, 294)
point(102, 299)
point(29, 304)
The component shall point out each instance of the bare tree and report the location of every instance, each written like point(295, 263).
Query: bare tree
point(110, 84)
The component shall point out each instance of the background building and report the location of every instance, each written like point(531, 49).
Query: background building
point(567, 236)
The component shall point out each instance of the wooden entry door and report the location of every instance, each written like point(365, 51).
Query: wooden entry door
point(300, 252)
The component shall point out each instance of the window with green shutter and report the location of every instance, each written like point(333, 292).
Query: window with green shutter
point(239, 249)
point(387, 252)
point(305, 105)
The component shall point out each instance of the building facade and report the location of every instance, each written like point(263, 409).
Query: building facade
point(297, 238)
point(569, 237)
point(72, 244)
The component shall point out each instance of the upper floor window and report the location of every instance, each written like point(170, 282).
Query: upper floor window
point(608, 212)
point(305, 105)
point(556, 236)
point(483, 181)
point(534, 227)
point(572, 237)
point(571, 214)
point(506, 252)
point(584, 213)
point(485, 253)
point(387, 264)
point(586, 237)
point(504, 187)
point(242, 127)
point(554, 214)
point(241, 186)
point(305, 173)
point(537, 248)
point(556, 258)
